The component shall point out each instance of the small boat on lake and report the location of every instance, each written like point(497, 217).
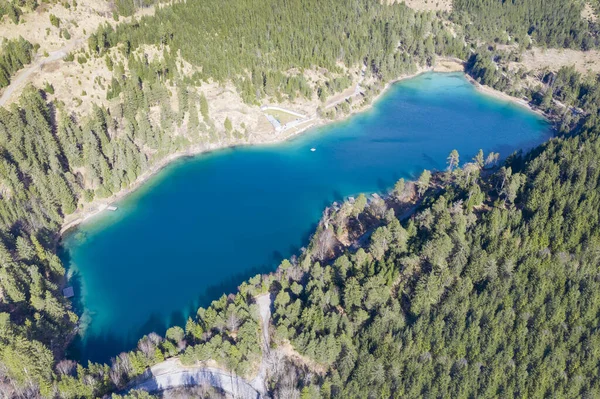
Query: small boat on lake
point(313, 149)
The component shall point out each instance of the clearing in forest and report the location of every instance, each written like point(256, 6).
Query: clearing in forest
point(426, 5)
point(537, 59)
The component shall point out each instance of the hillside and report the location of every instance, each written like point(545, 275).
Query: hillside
point(488, 290)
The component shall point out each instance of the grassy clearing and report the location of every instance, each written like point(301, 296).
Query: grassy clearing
point(281, 116)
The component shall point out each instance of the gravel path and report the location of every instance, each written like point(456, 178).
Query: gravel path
point(172, 374)
point(22, 77)
point(264, 304)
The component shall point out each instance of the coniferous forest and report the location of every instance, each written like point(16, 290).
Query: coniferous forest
point(553, 23)
point(14, 54)
point(491, 288)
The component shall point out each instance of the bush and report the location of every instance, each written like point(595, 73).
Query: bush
point(54, 20)
point(48, 88)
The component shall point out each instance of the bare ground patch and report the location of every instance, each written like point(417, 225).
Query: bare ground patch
point(225, 102)
point(588, 12)
point(426, 5)
point(448, 65)
point(69, 78)
point(36, 27)
point(537, 59)
point(291, 353)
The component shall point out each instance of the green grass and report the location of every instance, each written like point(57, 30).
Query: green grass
point(281, 116)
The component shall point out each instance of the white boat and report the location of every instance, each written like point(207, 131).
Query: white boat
point(111, 208)
point(313, 149)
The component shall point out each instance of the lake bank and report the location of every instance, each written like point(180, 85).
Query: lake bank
point(490, 91)
point(97, 206)
point(202, 226)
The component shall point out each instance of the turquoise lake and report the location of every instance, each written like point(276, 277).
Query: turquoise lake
point(205, 224)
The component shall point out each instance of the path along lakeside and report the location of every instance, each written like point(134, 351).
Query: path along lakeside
point(443, 66)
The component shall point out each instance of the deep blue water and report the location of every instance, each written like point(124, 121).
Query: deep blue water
point(203, 225)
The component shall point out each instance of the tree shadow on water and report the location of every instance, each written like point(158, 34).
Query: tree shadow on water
point(102, 346)
point(96, 348)
point(432, 163)
point(383, 186)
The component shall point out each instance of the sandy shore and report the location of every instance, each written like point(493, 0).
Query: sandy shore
point(489, 91)
point(444, 66)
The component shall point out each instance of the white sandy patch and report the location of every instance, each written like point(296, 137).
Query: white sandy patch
point(426, 5)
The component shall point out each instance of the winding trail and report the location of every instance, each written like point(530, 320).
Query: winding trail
point(264, 304)
point(172, 374)
point(22, 77)
point(357, 90)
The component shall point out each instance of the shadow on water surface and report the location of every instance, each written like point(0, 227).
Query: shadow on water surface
point(432, 163)
point(73, 279)
point(107, 345)
point(351, 166)
point(101, 346)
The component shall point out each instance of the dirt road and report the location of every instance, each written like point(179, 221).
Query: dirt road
point(172, 374)
point(22, 77)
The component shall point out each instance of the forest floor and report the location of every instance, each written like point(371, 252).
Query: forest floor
point(23, 77)
point(79, 21)
point(588, 12)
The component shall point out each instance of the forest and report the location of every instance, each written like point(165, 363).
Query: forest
point(490, 289)
point(491, 295)
point(14, 54)
point(549, 23)
point(259, 41)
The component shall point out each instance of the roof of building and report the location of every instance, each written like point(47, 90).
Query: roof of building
point(68, 292)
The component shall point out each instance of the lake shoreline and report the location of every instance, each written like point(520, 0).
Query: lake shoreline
point(184, 216)
point(490, 91)
point(445, 66)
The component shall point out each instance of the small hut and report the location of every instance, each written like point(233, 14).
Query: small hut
point(68, 292)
